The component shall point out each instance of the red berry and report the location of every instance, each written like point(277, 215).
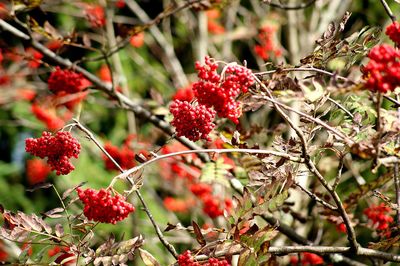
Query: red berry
point(66, 81)
point(95, 15)
point(193, 122)
point(36, 171)
point(124, 156)
point(58, 149)
point(101, 206)
point(383, 70)
point(393, 31)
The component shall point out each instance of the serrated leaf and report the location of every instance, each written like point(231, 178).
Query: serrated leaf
point(215, 172)
point(147, 258)
point(278, 200)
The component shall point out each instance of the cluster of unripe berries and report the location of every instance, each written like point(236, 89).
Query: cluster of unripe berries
point(215, 94)
point(186, 259)
point(383, 70)
point(58, 149)
point(101, 206)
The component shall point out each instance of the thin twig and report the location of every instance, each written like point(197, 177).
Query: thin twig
point(303, 69)
point(216, 151)
point(396, 175)
point(316, 198)
point(339, 174)
point(322, 250)
point(388, 11)
point(287, 7)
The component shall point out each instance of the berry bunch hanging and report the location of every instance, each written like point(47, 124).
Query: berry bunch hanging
point(186, 259)
point(67, 81)
point(192, 121)
point(382, 73)
point(58, 149)
point(393, 31)
point(101, 206)
point(215, 94)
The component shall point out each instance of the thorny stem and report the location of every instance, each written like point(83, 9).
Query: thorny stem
point(160, 235)
point(388, 10)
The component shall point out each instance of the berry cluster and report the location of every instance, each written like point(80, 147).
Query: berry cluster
point(212, 91)
point(186, 259)
point(307, 258)
point(124, 156)
point(184, 94)
point(47, 116)
point(213, 25)
point(379, 217)
point(177, 205)
point(193, 122)
point(66, 81)
point(36, 171)
point(393, 31)
point(101, 206)
point(58, 149)
point(34, 57)
point(383, 70)
point(137, 40)
point(95, 15)
point(212, 206)
point(266, 48)
point(221, 92)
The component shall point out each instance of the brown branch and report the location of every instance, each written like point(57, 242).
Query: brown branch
point(316, 198)
point(287, 7)
point(388, 11)
point(321, 250)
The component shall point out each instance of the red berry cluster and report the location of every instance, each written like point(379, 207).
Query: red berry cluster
point(184, 94)
point(266, 48)
point(34, 57)
point(383, 70)
point(58, 149)
point(120, 3)
point(193, 122)
point(186, 259)
point(36, 171)
point(221, 92)
point(212, 91)
point(393, 31)
point(213, 25)
point(101, 206)
point(47, 116)
point(307, 258)
point(124, 156)
point(379, 217)
point(95, 15)
point(66, 81)
point(213, 206)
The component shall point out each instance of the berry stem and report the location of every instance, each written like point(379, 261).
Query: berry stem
point(388, 10)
